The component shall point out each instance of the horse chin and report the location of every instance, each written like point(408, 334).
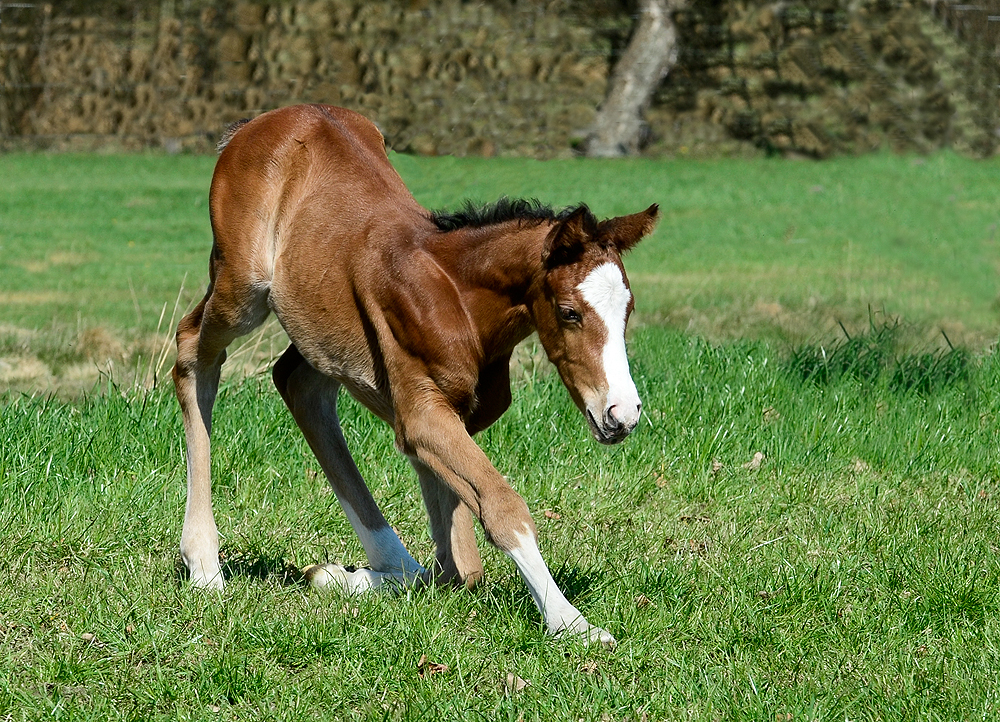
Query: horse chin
point(602, 436)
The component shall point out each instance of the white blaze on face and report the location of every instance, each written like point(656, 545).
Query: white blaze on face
point(605, 291)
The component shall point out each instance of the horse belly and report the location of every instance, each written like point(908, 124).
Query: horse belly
point(327, 329)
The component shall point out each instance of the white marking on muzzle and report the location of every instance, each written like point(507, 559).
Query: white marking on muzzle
point(605, 291)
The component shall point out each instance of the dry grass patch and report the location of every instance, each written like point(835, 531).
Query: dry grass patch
point(70, 362)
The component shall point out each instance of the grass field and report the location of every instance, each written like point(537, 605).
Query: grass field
point(96, 252)
point(853, 574)
point(803, 526)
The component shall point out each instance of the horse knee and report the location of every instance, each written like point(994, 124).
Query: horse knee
point(506, 520)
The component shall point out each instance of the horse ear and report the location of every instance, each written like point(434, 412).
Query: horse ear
point(567, 237)
point(625, 231)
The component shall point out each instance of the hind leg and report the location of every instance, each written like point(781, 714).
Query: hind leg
point(312, 399)
point(202, 338)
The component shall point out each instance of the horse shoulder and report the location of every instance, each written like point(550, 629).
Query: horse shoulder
point(430, 332)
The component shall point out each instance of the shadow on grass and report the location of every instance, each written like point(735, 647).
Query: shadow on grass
point(580, 586)
point(252, 565)
point(261, 566)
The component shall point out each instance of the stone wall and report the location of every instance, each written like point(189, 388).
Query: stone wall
point(507, 77)
point(445, 77)
point(829, 77)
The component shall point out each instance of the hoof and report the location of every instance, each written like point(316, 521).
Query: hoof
point(334, 576)
point(326, 576)
point(214, 583)
point(596, 635)
point(588, 634)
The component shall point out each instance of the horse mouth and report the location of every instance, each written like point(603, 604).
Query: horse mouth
point(608, 437)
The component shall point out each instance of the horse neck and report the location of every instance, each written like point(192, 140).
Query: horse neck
point(497, 268)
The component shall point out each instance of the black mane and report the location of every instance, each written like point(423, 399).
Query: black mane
point(472, 215)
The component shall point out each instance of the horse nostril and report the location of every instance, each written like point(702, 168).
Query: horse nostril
point(616, 419)
point(609, 417)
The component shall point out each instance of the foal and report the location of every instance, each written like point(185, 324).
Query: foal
point(416, 314)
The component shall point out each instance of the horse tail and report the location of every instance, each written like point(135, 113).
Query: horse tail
point(229, 133)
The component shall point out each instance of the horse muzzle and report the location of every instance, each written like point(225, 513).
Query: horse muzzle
point(615, 423)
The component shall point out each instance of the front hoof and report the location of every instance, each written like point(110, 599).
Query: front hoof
point(214, 583)
point(588, 634)
point(324, 576)
point(596, 635)
point(357, 581)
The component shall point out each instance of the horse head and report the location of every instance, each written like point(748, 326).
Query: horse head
point(581, 312)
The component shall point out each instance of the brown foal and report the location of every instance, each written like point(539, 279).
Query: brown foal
point(416, 314)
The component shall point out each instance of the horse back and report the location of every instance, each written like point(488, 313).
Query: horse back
point(304, 170)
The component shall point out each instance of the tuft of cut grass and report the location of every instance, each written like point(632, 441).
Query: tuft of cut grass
point(877, 356)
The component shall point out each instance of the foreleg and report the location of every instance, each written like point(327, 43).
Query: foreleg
point(312, 399)
point(435, 437)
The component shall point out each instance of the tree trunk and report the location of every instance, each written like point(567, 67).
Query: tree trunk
point(619, 128)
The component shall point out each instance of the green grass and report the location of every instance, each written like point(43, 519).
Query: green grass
point(757, 246)
point(746, 248)
point(81, 234)
point(851, 572)
point(852, 575)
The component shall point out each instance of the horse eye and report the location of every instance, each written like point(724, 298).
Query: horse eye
point(569, 315)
